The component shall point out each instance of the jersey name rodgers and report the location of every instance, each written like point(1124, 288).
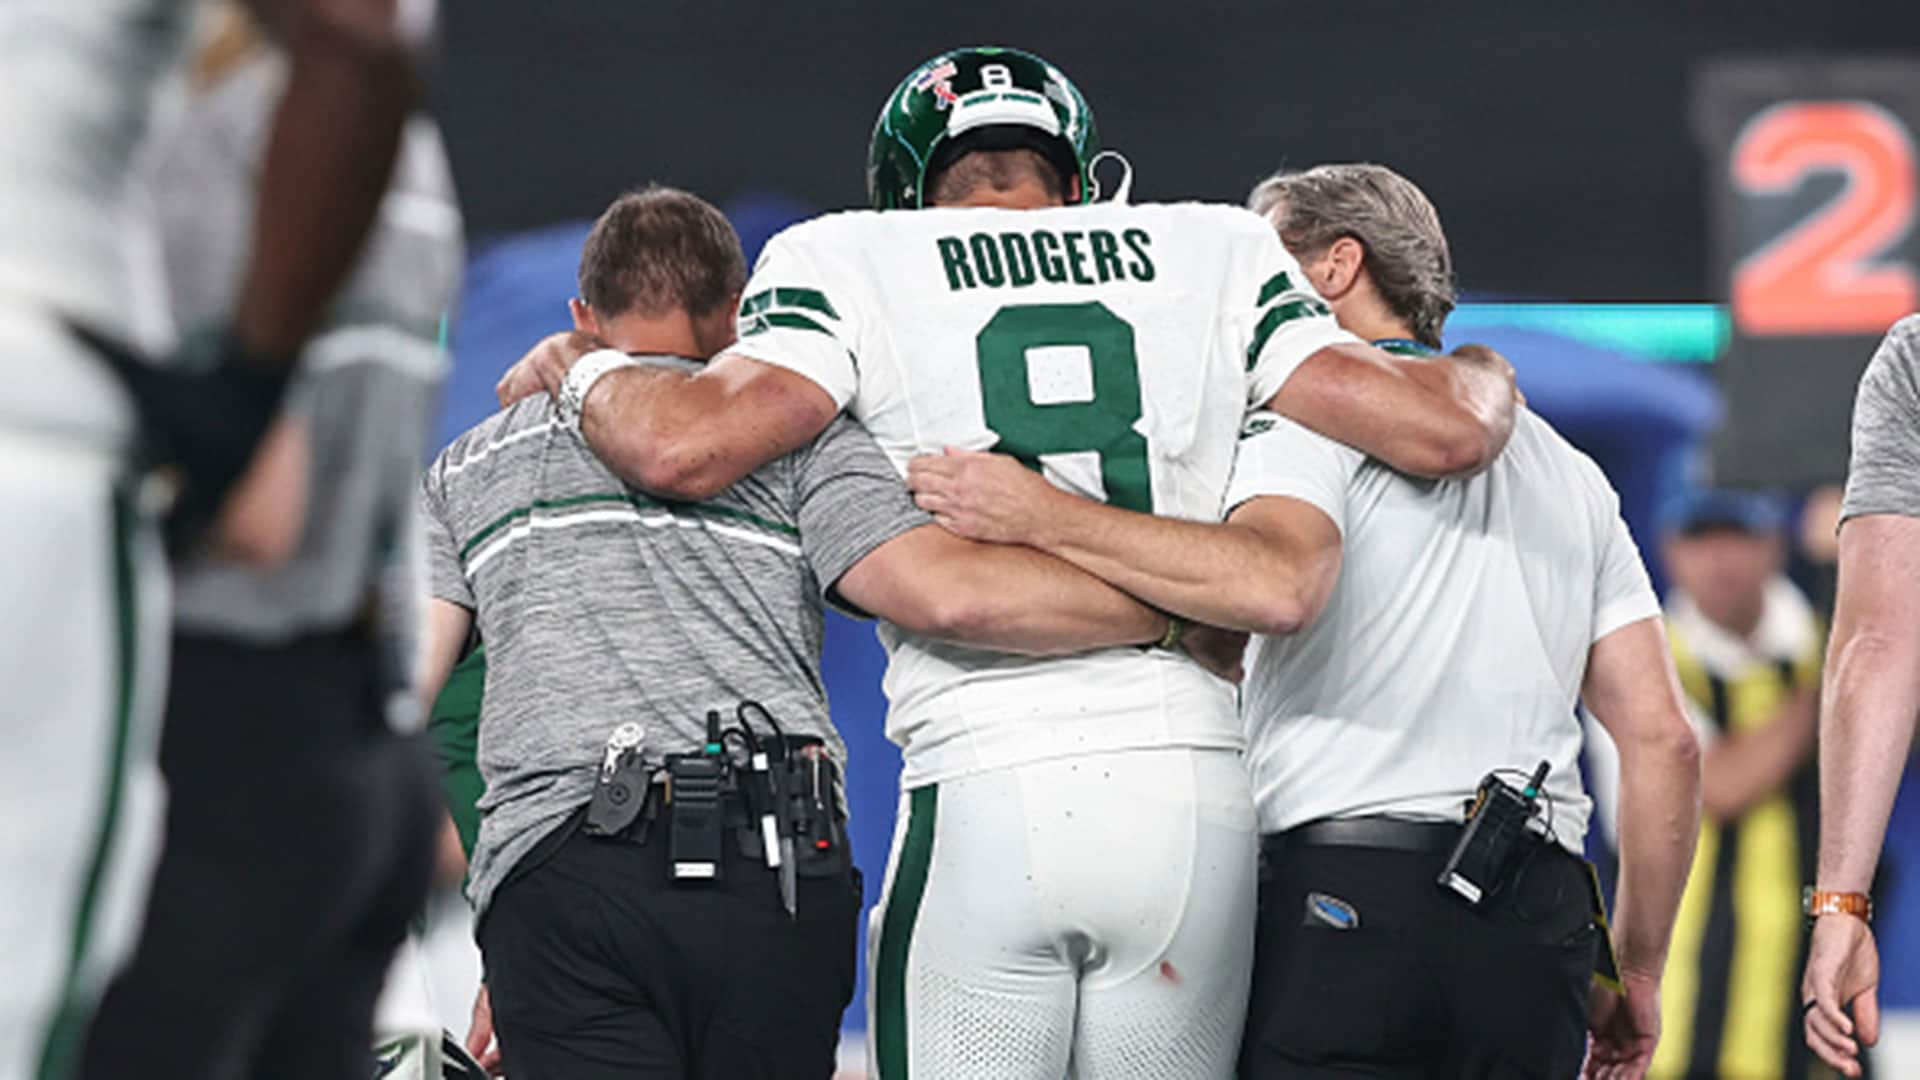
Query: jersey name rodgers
point(1115, 348)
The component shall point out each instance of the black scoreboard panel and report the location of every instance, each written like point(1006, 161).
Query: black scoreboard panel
point(1811, 187)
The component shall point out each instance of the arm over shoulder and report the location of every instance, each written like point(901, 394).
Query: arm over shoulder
point(802, 312)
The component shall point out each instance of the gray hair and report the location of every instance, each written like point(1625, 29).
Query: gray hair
point(1406, 251)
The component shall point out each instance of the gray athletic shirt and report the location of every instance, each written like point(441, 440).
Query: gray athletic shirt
point(599, 605)
point(1884, 477)
point(366, 386)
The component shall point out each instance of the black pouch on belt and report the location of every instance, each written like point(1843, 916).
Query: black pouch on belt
point(812, 793)
point(621, 789)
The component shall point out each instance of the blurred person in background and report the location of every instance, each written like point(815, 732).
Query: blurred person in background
point(1747, 644)
point(83, 607)
point(1871, 698)
point(298, 838)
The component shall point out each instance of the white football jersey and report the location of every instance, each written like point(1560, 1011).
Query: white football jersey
point(1116, 348)
point(77, 242)
point(76, 92)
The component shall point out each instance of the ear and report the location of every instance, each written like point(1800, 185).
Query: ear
point(1073, 190)
point(1339, 270)
point(583, 319)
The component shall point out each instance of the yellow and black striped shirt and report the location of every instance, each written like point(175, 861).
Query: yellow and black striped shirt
point(1732, 979)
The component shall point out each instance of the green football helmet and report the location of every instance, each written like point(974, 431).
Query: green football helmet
point(1024, 100)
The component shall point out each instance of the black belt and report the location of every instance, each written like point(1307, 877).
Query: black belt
point(1382, 833)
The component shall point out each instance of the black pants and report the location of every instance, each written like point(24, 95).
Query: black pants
point(299, 844)
point(600, 966)
point(1423, 986)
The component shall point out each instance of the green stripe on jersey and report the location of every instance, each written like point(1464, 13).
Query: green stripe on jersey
point(512, 516)
point(708, 510)
point(769, 299)
point(1275, 285)
point(59, 1052)
point(1276, 317)
point(896, 933)
point(790, 319)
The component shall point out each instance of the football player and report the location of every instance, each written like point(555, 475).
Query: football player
point(83, 594)
point(1072, 881)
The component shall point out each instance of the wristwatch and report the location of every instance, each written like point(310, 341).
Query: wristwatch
point(1816, 902)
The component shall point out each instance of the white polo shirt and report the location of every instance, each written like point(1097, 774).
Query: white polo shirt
point(1456, 640)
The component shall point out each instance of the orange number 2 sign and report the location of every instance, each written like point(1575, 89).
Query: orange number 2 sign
point(1818, 277)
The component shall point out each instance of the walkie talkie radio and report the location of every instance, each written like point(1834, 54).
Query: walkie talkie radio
point(695, 819)
point(1497, 823)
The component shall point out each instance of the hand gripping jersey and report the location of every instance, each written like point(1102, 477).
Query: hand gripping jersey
point(1115, 348)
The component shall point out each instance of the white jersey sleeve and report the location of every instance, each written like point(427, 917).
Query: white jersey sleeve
point(1280, 458)
point(792, 319)
point(1282, 320)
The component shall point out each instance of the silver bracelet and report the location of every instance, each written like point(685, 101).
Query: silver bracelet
point(580, 379)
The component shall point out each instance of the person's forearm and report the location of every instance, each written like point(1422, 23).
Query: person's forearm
point(1659, 823)
point(1221, 575)
point(1866, 735)
point(1424, 416)
point(1482, 385)
point(1633, 690)
point(1464, 421)
point(1871, 695)
point(1016, 599)
point(690, 436)
point(1742, 769)
point(327, 165)
point(636, 424)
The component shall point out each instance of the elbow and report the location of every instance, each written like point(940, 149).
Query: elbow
point(1279, 615)
point(1288, 602)
point(954, 615)
point(676, 477)
point(1462, 446)
point(1677, 745)
point(670, 466)
point(1667, 746)
point(949, 608)
point(1867, 648)
point(1686, 753)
